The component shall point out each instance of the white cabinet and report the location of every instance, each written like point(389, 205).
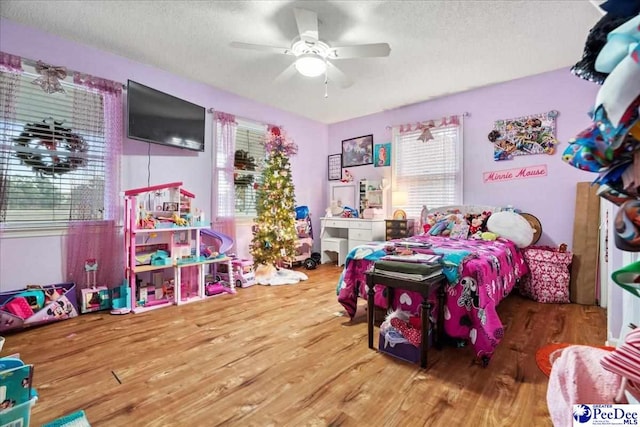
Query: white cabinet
point(336, 233)
point(164, 263)
point(371, 194)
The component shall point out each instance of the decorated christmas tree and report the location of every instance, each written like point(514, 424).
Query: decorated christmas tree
point(275, 232)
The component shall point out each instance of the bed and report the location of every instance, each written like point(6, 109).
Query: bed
point(479, 273)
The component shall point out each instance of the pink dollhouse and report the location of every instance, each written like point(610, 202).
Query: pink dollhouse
point(164, 263)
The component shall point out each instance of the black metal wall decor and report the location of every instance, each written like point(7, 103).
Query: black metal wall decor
point(50, 148)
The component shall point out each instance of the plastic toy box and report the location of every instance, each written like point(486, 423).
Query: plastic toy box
point(18, 415)
point(16, 393)
point(37, 305)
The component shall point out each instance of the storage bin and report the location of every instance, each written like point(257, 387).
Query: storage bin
point(405, 351)
point(549, 274)
point(18, 415)
point(59, 302)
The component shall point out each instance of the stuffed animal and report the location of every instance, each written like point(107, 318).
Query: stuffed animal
point(476, 225)
point(346, 176)
point(489, 236)
point(512, 226)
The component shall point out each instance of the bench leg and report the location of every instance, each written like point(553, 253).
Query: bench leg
point(370, 311)
point(425, 307)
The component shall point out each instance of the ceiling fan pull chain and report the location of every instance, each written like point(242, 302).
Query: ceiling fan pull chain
point(326, 81)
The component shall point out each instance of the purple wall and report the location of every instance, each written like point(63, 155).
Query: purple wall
point(167, 164)
point(550, 198)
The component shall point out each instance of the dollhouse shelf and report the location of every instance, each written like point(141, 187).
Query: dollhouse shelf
point(164, 265)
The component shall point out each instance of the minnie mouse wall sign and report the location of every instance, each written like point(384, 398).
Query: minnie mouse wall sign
point(516, 173)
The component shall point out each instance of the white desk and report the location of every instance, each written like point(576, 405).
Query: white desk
point(355, 231)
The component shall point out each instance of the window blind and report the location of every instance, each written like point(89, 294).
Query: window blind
point(248, 163)
point(53, 150)
point(430, 173)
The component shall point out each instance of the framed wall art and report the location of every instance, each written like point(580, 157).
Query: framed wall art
point(532, 134)
point(357, 151)
point(382, 155)
point(335, 167)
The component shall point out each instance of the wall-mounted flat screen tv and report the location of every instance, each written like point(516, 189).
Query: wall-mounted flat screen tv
point(158, 117)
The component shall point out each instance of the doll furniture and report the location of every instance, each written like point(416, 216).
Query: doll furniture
point(243, 273)
point(162, 224)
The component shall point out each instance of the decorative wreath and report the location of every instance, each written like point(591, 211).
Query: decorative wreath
point(49, 148)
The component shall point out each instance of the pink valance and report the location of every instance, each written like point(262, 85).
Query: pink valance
point(225, 118)
point(430, 124)
point(98, 83)
point(9, 62)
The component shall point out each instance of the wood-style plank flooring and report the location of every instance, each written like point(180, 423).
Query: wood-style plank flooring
point(284, 356)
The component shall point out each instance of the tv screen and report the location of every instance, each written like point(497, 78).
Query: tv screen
point(157, 117)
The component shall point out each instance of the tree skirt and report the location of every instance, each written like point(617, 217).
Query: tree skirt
point(270, 275)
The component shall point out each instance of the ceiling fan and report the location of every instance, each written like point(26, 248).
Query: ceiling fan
point(313, 56)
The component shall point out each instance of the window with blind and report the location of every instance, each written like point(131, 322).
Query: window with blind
point(429, 173)
point(52, 149)
point(248, 164)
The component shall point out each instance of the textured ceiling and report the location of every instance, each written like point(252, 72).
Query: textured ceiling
point(437, 47)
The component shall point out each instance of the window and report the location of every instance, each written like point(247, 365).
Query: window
point(429, 173)
point(248, 162)
point(52, 152)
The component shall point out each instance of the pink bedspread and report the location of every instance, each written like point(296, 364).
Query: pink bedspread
point(480, 275)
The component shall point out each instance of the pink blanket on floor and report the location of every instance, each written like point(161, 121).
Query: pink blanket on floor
point(577, 377)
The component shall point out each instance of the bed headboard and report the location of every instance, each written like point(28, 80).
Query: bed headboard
point(523, 232)
point(465, 209)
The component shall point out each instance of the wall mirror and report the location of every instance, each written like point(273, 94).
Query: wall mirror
point(344, 194)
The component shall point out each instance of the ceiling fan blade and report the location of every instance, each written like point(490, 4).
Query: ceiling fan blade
point(307, 21)
point(286, 74)
point(261, 47)
point(336, 74)
point(359, 51)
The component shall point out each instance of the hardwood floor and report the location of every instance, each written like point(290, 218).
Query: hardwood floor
point(284, 356)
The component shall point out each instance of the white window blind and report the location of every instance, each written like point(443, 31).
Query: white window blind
point(429, 173)
point(248, 163)
point(53, 150)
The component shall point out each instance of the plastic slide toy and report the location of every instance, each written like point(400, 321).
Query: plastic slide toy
point(226, 242)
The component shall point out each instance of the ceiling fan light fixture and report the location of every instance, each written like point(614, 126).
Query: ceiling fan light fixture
point(311, 65)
